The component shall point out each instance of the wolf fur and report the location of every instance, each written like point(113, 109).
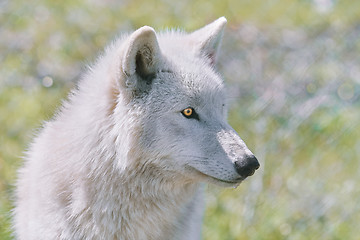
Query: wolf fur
point(120, 160)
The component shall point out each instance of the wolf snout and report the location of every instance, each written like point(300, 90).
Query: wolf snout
point(247, 167)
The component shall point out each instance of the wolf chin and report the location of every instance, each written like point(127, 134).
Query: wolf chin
point(127, 154)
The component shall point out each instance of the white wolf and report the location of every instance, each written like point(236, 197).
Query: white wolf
point(126, 155)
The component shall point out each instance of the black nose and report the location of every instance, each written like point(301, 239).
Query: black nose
point(246, 167)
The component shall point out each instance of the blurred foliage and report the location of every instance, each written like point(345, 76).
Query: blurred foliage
point(293, 70)
point(21, 111)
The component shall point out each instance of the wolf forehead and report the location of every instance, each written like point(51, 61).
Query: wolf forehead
point(182, 58)
point(189, 86)
point(186, 77)
point(170, 64)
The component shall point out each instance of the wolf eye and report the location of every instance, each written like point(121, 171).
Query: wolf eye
point(190, 113)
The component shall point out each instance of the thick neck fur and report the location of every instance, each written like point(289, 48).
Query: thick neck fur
point(126, 196)
point(134, 204)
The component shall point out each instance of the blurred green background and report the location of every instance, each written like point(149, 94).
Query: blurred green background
point(293, 71)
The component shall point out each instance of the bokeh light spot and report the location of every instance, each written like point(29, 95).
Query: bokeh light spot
point(47, 81)
point(346, 91)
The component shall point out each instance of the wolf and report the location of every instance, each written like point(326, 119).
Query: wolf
point(128, 153)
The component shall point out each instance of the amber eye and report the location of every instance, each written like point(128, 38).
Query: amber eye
point(187, 112)
point(190, 113)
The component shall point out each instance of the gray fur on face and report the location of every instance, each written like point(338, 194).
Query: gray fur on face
point(208, 145)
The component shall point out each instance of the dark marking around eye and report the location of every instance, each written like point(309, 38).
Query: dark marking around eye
point(190, 113)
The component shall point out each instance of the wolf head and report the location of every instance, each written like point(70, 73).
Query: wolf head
point(177, 103)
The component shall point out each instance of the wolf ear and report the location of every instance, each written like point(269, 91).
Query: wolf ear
point(207, 40)
point(141, 56)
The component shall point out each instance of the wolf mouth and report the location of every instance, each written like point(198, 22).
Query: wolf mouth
point(236, 181)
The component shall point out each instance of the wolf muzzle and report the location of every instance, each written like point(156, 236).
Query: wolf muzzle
point(247, 167)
